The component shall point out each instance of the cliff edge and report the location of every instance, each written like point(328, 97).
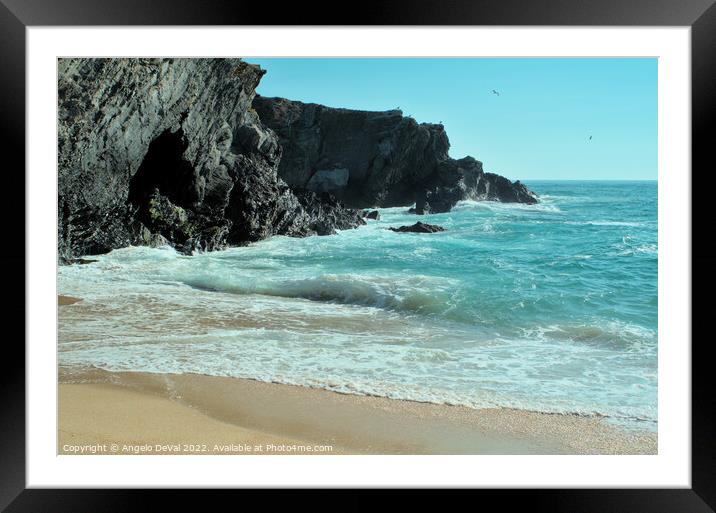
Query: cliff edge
point(377, 159)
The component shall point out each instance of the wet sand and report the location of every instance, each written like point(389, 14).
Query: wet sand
point(197, 414)
point(67, 300)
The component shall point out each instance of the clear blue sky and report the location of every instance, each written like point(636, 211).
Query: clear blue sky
point(538, 128)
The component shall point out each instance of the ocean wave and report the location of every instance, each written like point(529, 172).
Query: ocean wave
point(610, 334)
point(605, 223)
point(498, 206)
point(417, 294)
point(629, 248)
point(649, 249)
point(553, 197)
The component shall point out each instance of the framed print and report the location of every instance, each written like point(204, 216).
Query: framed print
point(442, 247)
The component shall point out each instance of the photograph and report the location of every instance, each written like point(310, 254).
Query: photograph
point(357, 256)
point(426, 246)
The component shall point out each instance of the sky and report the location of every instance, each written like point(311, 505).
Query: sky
point(537, 128)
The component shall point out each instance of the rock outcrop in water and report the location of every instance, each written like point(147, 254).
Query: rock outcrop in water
point(156, 151)
point(419, 228)
point(377, 158)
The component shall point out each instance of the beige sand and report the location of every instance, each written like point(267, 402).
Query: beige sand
point(111, 419)
point(189, 413)
point(67, 300)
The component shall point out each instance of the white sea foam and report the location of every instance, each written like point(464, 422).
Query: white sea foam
point(605, 223)
point(496, 206)
point(500, 373)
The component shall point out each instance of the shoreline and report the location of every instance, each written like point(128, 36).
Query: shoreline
point(67, 300)
point(199, 414)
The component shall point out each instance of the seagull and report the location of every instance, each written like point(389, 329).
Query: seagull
point(498, 94)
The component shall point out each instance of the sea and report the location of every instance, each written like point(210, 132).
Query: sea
point(549, 307)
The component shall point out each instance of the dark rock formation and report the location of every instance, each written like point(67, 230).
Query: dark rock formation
point(156, 151)
point(326, 214)
point(81, 261)
point(419, 228)
point(377, 158)
point(422, 206)
point(374, 214)
point(461, 179)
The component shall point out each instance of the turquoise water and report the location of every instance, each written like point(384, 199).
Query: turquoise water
point(550, 307)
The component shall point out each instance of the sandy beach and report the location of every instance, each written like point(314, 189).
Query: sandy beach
point(67, 300)
point(138, 413)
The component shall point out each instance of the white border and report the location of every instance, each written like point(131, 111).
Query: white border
point(672, 465)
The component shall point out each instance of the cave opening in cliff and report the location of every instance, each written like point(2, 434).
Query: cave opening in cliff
point(165, 168)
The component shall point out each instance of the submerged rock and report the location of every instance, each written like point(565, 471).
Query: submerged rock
point(377, 158)
point(81, 261)
point(419, 228)
point(170, 151)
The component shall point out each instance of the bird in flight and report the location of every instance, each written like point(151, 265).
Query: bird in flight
point(495, 92)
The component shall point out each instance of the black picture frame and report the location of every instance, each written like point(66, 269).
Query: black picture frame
point(16, 15)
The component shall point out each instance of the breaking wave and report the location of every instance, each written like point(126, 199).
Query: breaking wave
point(418, 294)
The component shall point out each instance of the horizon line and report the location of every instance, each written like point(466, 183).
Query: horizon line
point(590, 179)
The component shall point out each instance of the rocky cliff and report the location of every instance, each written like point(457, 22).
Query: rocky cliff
point(156, 151)
point(381, 159)
point(183, 152)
